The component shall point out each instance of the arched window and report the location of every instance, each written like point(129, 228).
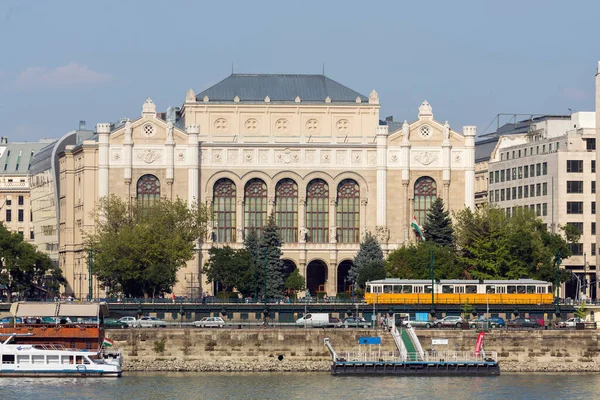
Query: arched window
point(148, 190)
point(224, 211)
point(286, 210)
point(425, 194)
point(348, 212)
point(317, 211)
point(255, 206)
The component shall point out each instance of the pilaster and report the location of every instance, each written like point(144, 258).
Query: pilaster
point(103, 148)
point(469, 133)
point(382, 133)
point(193, 163)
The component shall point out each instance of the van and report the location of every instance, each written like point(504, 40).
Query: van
point(316, 320)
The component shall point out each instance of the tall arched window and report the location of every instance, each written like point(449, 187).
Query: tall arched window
point(348, 212)
point(148, 190)
point(255, 206)
point(224, 211)
point(425, 194)
point(286, 210)
point(317, 211)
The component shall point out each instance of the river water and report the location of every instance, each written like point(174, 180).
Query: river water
point(313, 386)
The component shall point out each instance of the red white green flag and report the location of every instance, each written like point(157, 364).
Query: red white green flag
point(108, 342)
point(417, 228)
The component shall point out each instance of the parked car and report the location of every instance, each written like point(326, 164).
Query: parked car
point(151, 322)
point(335, 322)
point(523, 323)
point(112, 323)
point(484, 323)
point(540, 320)
point(570, 323)
point(210, 322)
point(356, 322)
point(315, 320)
point(130, 321)
point(449, 321)
point(418, 324)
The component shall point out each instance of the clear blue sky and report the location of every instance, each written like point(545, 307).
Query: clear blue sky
point(65, 61)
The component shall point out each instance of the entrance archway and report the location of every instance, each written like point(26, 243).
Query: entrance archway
point(288, 267)
point(316, 276)
point(343, 283)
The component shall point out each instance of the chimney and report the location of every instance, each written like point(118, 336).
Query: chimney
point(3, 140)
point(81, 125)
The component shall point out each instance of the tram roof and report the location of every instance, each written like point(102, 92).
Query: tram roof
point(396, 281)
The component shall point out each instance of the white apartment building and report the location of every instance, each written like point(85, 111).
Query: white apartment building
point(552, 170)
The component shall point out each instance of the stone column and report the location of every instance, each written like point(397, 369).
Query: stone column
point(406, 215)
point(332, 220)
point(170, 149)
point(363, 216)
point(469, 133)
point(405, 167)
point(411, 212)
point(128, 156)
point(193, 163)
point(103, 148)
point(302, 231)
point(381, 137)
point(446, 165)
point(331, 287)
point(239, 219)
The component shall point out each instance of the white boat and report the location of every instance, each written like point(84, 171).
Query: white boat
point(56, 361)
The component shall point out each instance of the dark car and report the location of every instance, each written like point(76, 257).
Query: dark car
point(485, 323)
point(113, 323)
point(523, 323)
point(335, 322)
point(539, 320)
point(356, 322)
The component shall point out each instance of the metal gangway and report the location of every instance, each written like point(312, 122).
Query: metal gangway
point(400, 339)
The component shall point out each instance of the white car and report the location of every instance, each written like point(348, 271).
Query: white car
point(210, 322)
point(151, 322)
point(130, 321)
point(570, 323)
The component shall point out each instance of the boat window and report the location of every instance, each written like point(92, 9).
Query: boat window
point(37, 359)
point(66, 360)
point(78, 359)
point(427, 288)
point(86, 360)
point(530, 289)
point(521, 289)
point(511, 289)
point(23, 359)
point(447, 289)
point(53, 359)
point(387, 288)
point(490, 289)
point(8, 358)
point(471, 288)
point(407, 289)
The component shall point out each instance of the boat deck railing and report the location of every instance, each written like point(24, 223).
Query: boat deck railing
point(429, 356)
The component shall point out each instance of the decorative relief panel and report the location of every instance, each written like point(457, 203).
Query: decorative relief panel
point(311, 157)
point(221, 125)
point(248, 156)
point(341, 156)
point(148, 155)
point(425, 157)
point(343, 126)
point(203, 156)
point(312, 126)
point(217, 156)
point(282, 125)
point(371, 157)
point(356, 157)
point(287, 156)
point(180, 154)
point(326, 157)
point(116, 156)
point(457, 157)
point(232, 156)
point(263, 157)
point(394, 157)
point(251, 125)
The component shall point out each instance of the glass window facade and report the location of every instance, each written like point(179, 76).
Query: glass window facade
point(148, 190)
point(317, 211)
point(286, 210)
point(425, 194)
point(348, 212)
point(224, 194)
point(255, 206)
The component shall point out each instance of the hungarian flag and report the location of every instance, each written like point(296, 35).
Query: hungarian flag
point(415, 226)
point(108, 343)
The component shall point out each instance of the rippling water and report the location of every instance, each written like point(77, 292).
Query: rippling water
point(313, 386)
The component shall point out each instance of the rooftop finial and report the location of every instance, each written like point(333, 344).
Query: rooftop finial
point(425, 110)
point(149, 107)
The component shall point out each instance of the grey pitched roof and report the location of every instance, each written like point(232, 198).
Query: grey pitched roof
point(484, 148)
point(280, 88)
point(17, 157)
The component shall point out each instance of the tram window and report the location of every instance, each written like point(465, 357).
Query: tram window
point(459, 289)
point(511, 289)
point(471, 288)
point(447, 289)
point(500, 289)
point(418, 289)
point(541, 289)
point(530, 289)
point(397, 289)
point(549, 289)
point(407, 289)
point(521, 289)
point(387, 288)
point(377, 289)
point(490, 289)
point(427, 288)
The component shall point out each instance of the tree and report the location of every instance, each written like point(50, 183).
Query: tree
point(25, 270)
point(270, 250)
point(252, 245)
point(139, 249)
point(231, 268)
point(368, 263)
point(412, 262)
point(295, 282)
point(438, 225)
point(580, 312)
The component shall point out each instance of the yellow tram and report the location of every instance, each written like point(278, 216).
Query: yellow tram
point(458, 291)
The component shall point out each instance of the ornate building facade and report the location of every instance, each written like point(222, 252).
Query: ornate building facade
point(303, 147)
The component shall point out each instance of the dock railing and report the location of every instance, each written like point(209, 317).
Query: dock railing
point(429, 356)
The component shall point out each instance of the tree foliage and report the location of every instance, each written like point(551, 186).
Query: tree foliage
point(232, 268)
point(438, 225)
point(368, 263)
point(252, 245)
point(295, 282)
point(139, 249)
point(412, 262)
point(270, 251)
point(24, 269)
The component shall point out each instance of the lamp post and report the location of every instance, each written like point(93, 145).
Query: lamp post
point(90, 265)
point(432, 272)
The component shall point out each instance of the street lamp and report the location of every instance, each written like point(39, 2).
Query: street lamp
point(81, 277)
point(90, 265)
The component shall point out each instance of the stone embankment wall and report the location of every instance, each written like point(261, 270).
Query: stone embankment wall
point(195, 349)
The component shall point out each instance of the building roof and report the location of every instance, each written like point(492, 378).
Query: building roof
point(280, 88)
point(17, 157)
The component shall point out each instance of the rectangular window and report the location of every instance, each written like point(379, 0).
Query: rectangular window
point(507, 193)
point(513, 154)
point(508, 212)
point(593, 186)
point(491, 196)
point(8, 215)
point(531, 190)
point(520, 172)
point(578, 225)
point(557, 145)
point(574, 186)
point(593, 228)
point(544, 168)
point(538, 210)
point(538, 189)
point(526, 171)
point(593, 207)
point(576, 248)
point(526, 191)
point(594, 166)
point(593, 249)
point(508, 174)
point(574, 207)
point(545, 209)
point(538, 169)
point(575, 166)
point(514, 193)
point(496, 176)
point(497, 195)
point(543, 148)
point(544, 188)
point(20, 200)
point(501, 194)
point(502, 175)
point(491, 177)
point(550, 147)
point(537, 149)
point(31, 235)
point(20, 215)
point(519, 153)
point(531, 170)
point(590, 144)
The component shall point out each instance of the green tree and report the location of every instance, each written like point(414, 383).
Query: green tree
point(139, 249)
point(580, 312)
point(252, 245)
point(270, 250)
point(24, 270)
point(232, 268)
point(438, 225)
point(295, 282)
point(368, 263)
point(412, 262)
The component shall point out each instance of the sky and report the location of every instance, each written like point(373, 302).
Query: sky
point(97, 61)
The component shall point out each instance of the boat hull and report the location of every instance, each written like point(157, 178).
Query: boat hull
point(416, 368)
point(59, 374)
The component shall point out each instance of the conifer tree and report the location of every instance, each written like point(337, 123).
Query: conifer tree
point(252, 245)
point(368, 263)
point(270, 255)
point(438, 225)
